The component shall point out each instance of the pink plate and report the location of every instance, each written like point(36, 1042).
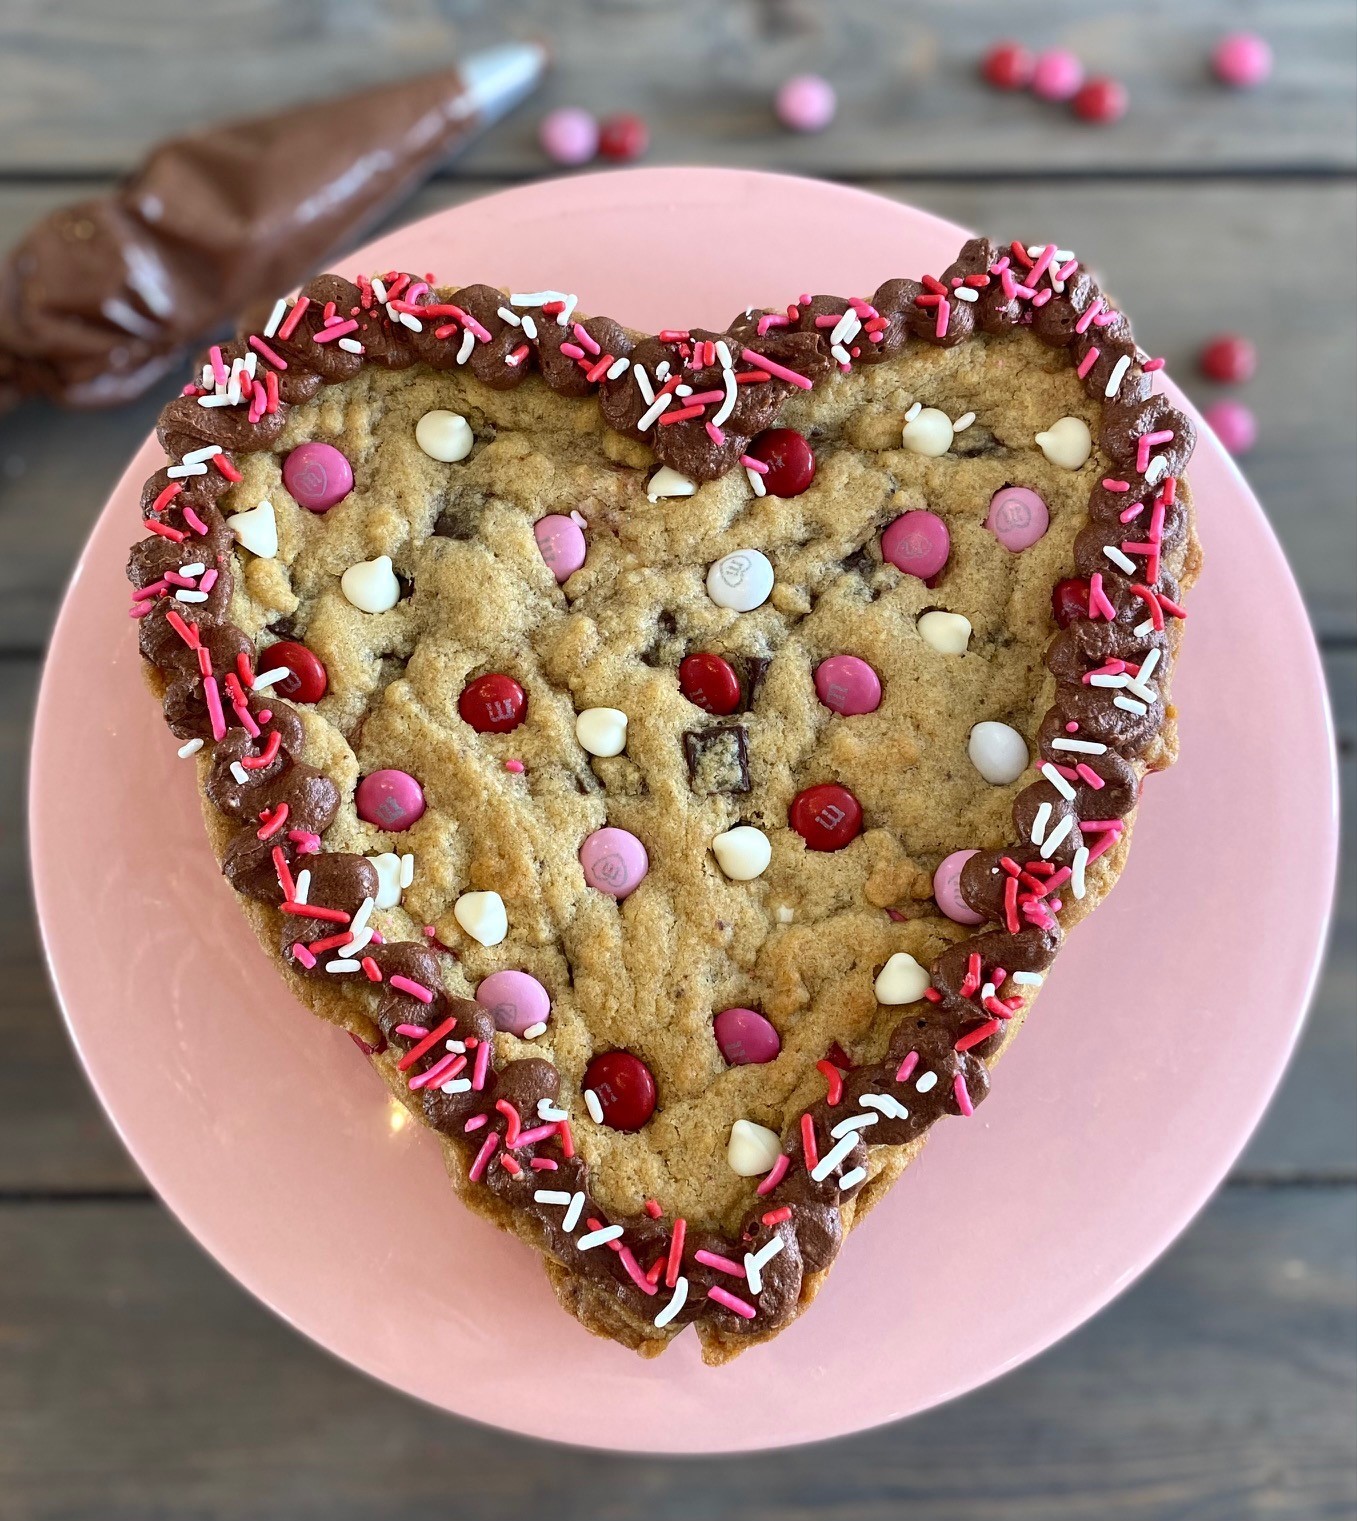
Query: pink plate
point(264, 1132)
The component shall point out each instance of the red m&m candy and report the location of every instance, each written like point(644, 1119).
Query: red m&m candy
point(306, 680)
point(1101, 100)
point(710, 683)
point(790, 460)
point(1229, 359)
point(623, 137)
point(1069, 600)
point(493, 704)
point(827, 816)
point(624, 1088)
point(1007, 66)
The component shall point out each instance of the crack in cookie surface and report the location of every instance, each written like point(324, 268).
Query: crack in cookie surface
point(802, 942)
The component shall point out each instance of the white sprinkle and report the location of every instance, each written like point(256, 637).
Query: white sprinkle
point(728, 404)
point(643, 384)
point(412, 322)
point(683, 390)
point(755, 1262)
point(1147, 669)
point(190, 596)
point(1079, 746)
point(852, 1123)
point(533, 1031)
point(914, 411)
point(756, 482)
point(1118, 374)
point(963, 422)
point(275, 316)
point(468, 343)
point(1028, 979)
point(407, 870)
point(841, 354)
point(196, 456)
point(508, 316)
point(965, 293)
point(301, 892)
point(349, 345)
point(457, 1047)
point(191, 748)
point(240, 773)
point(662, 371)
point(360, 942)
point(344, 964)
point(650, 415)
point(1056, 836)
point(723, 355)
point(223, 400)
point(379, 288)
point(266, 679)
point(591, 1239)
point(617, 367)
point(852, 1179)
point(1142, 629)
point(987, 992)
point(675, 1304)
point(1121, 561)
point(551, 1196)
point(208, 378)
point(1109, 681)
point(1077, 869)
point(1156, 470)
point(536, 297)
point(592, 1104)
point(548, 1111)
point(178, 472)
point(529, 328)
point(196, 569)
point(926, 1083)
point(572, 1215)
point(565, 315)
point(846, 328)
point(833, 1157)
point(1057, 781)
point(1130, 705)
point(1040, 822)
point(892, 1108)
point(456, 1085)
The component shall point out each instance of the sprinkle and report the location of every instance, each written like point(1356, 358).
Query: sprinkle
point(1081, 746)
point(533, 1031)
point(755, 1262)
point(593, 1105)
point(414, 989)
point(853, 1178)
point(833, 1080)
point(591, 1239)
point(780, 371)
point(731, 1302)
point(833, 1157)
point(808, 1146)
point(892, 1108)
point(963, 422)
point(775, 1176)
point(483, 1156)
point(926, 1083)
point(650, 415)
point(427, 1044)
point(1088, 361)
point(1056, 836)
point(191, 748)
point(1121, 561)
point(482, 1065)
point(652, 1207)
point(1040, 822)
point(675, 1259)
point(1117, 376)
point(976, 1036)
point(341, 965)
point(962, 1095)
point(854, 1122)
point(675, 1304)
point(313, 911)
point(1057, 781)
point(721, 1264)
point(443, 1071)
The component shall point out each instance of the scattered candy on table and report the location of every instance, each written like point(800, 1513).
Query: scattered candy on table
point(1101, 99)
point(390, 799)
point(1241, 60)
point(622, 1088)
point(444, 436)
point(568, 135)
point(805, 103)
point(1008, 66)
point(623, 138)
point(745, 1037)
point(317, 475)
point(1229, 359)
point(1056, 74)
point(1233, 424)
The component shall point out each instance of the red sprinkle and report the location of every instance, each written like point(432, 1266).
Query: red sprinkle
point(439, 1032)
point(675, 1261)
point(808, 1146)
point(833, 1080)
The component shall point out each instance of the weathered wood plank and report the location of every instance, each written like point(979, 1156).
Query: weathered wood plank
point(139, 1381)
point(1212, 256)
point(85, 85)
point(53, 1136)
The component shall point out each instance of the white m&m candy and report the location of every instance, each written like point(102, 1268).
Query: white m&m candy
point(901, 980)
point(444, 436)
point(998, 752)
point(948, 633)
point(602, 731)
point(752, 1149)
point(742, 853)
point(371, 585)
point(1066, 443)
point(741, 581)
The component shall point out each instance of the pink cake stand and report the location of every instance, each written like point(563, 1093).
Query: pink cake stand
point(263, 1130)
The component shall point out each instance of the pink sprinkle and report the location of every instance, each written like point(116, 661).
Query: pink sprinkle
point(208, 579)
point(273, 357)
point(653, 1209)
point(944, 317)
point(476, 1122)
point(194, 521)
point(214, 712)
point(1088, 775)
point(779, 370)
point(515, 766)
point(414, 989)
point(482, 1065)
point(1099, 603)
point(1089, 313)
point(1148, 441)
point(715, 434)
point(140, 609)
point(907, 1066)
point(335, 330)
point(1151, 365)
point(731, 1302)
point(721, 1264)
point(142, 593)
point(1087, 362)
point(772, 319)
point(305, 841)
point(572, 351)
point(412, 1032)
point(629, 1262)
point(582, 337)
point(483, 1156)
point(1109, 484)
point(219, 371)
point(300, 953)
point(442, 1071)
point(531, 1137)
point(775, 1175)
point(758, 466)
point(962, 1095)
point(543, 1164)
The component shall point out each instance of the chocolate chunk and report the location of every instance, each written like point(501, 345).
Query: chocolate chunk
point(718, 759)
point(750, 669)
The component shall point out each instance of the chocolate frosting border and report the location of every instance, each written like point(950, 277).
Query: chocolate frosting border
point(506, 1131)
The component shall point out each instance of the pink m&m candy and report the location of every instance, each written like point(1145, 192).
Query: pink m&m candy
point(1017, 517)
point(1233, 424)
point(516, 1000)
point(561, 541)
point(917, 543)
point(745, 1037)
point(848, 685)
point(569, 135)
point(1057, 74)
point(614, 861)
point(806, 103)
point(1242, 59)
point(389, 799)
point(318, 476)
point(947, 888)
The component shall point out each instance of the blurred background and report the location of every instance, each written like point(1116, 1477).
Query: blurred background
point(136, 1379)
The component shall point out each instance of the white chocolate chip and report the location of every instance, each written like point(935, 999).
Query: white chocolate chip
point(1066, 443)
point(752, 1149)
point(948, 633)
point(998, 752)
point(256, 530)
point(602, 731)
point(741, 581)
point(444, 436)
point(743, 853)
point(667, 482)
point(928, 432)
point(901, 980)
point(388, 868)
point(482, 916)
point(371, 585)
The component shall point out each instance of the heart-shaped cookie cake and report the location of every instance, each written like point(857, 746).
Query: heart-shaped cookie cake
point(675, 760)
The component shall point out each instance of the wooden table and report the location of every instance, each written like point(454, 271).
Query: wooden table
point(136, 1380)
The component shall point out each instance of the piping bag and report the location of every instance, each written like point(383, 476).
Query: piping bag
point(101, 298)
